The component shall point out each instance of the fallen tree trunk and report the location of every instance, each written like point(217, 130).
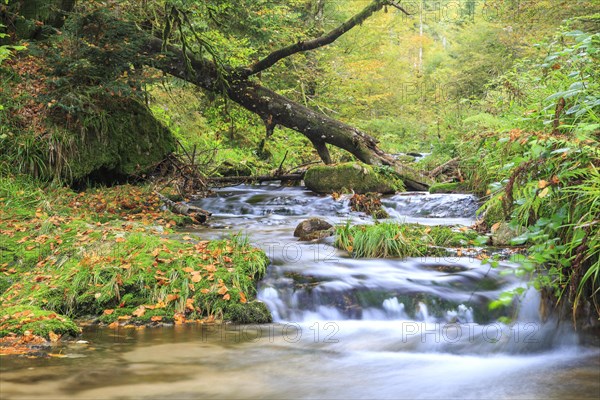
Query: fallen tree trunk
point(196, 213)
point(445, 167)
point(269, 105)
point(258, 178)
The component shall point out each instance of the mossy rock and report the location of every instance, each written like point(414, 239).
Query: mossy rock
point(352, 176)
point(19, 319)
point(255, 312)
point(232, 168)
point(503, 234)
point(451, 187)
point(123, 140)
point(313, 228)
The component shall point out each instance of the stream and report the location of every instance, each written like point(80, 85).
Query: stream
point(343, 327)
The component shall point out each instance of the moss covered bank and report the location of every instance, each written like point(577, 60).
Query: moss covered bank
point(114, 256)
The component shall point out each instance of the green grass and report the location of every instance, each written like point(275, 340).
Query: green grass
point(19, 319)
point(388, 240)
point(78, 255)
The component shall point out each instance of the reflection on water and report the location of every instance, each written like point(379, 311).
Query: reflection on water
point(293, 361)
point(346, 328)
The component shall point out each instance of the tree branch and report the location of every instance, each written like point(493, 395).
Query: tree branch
point(321, 41)
point(395, 4)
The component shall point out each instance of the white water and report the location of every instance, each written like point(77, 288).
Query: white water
point(345, 328)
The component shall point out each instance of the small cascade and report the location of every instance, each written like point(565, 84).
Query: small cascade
point(416, 304)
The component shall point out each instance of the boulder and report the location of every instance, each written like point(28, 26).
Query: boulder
point(313, 228)
point(352, 176)
point(130, 141)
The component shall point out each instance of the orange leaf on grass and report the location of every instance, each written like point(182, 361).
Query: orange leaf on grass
point(171, 297)
point(139, 312)
point(223, 290)
point(189, 304)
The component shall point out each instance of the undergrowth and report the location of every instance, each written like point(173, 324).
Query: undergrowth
point(114, 254)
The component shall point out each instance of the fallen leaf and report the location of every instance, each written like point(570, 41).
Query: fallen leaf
point(171, 297)
point(57, 355)
point(243, 298)
point(54, 337)
point(179, 319)
point(222, 290)
point(108, 312)
point(196, 278)
point(139, 312)
point(210, 268)
point(542, 183)
point(495, 227)
point(120, 239)
point(189, 304)
point(544, 192)
point(226, 297)
point(156, 318)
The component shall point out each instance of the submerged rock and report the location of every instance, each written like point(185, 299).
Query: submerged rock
point(352, 176)
point(313, 228)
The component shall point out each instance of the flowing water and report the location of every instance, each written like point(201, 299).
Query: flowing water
point(344, 327)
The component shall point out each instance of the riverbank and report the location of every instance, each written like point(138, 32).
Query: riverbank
point(114, 256)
